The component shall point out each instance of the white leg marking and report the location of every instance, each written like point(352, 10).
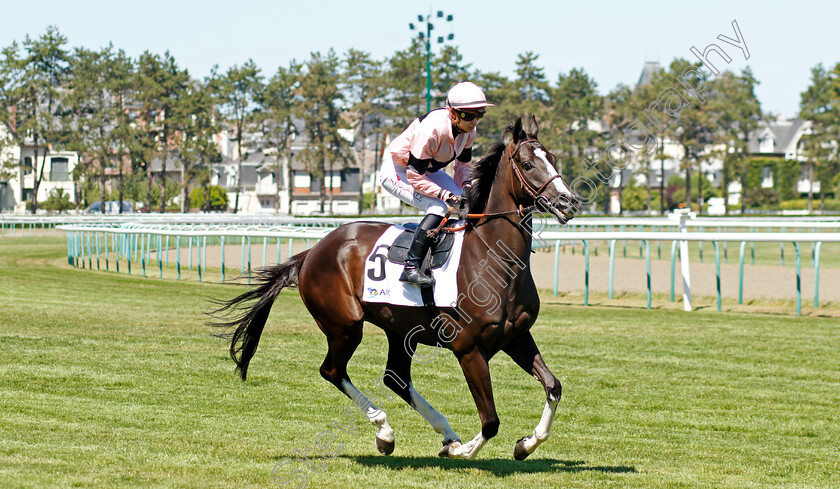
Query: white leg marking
point(437, 420)
point(558, 182)
point(468, 450)
point(543, 428)
point(375, 415)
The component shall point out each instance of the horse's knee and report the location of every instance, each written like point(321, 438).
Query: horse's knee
point(490, 428)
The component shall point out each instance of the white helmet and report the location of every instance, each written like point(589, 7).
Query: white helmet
point(466, 95)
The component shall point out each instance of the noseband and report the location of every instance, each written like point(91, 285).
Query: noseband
point(534, 192)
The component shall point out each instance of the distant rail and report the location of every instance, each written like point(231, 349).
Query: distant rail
point(139, 242)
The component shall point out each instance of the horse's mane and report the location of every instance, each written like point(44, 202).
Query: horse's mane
point(483, 173)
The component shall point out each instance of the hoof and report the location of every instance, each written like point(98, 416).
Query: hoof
point(384, 447)
point(519, 452)
point(445, 451)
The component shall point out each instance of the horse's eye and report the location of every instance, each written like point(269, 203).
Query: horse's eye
point(526, 165)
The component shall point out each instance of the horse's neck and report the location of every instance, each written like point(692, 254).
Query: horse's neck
point(510, 231)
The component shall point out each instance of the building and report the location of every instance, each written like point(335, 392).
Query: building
point(783, 139)
point(19, 169)
point(274, 183)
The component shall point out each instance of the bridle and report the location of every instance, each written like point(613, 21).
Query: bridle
point(535, 193)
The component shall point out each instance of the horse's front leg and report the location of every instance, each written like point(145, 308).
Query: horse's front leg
point(525, 353)
point(477, 373)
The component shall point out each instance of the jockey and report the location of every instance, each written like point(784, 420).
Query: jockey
point(410, 167)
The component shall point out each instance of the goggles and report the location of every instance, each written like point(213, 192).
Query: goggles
point(468, 116)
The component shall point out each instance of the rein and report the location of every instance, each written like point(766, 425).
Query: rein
point(534, 192)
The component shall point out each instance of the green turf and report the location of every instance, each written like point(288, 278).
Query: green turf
point(112, 381)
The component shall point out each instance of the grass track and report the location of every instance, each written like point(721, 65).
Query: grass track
point(113, 381)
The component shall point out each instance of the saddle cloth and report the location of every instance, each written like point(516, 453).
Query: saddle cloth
point(382, 284)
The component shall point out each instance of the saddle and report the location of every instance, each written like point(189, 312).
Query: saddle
point(439, 251)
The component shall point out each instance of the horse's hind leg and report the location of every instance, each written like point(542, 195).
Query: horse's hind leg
point(525, 353)
point(477, 373)
point(342, 344)
point(397, 377)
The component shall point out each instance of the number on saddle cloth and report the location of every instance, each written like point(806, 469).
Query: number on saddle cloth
point(441, 247)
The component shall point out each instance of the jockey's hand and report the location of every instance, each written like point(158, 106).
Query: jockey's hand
point(455, 201)
point(458, 204)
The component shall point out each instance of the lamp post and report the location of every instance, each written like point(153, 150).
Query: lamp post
point(425, 35)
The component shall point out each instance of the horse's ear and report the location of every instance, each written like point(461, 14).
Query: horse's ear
point(535, 128)
point(518, 132)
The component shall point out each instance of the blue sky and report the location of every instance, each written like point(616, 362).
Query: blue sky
point(610, 40)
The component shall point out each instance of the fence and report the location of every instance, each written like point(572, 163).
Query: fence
point(138, 242)
point(676, 238)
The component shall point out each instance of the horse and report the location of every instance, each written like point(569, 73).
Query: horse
point(496, 313)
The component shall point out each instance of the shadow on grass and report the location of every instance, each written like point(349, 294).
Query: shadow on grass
point(498, 467)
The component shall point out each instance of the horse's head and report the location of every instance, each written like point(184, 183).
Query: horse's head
point(538, 177)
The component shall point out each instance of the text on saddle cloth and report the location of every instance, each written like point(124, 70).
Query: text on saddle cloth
point(381, 279)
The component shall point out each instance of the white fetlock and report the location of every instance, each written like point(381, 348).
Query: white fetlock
point(468, 450)
point(530, 443)
point(385, 433)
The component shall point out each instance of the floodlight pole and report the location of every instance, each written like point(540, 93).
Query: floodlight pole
point(429, 63)
point(427, 38)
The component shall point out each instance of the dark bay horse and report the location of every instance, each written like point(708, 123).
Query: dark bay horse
point(495, 311)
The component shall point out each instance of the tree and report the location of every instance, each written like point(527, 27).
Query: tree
point(196, 126)
point(160, 84)
point(693, 126)
point(34, 90)
point(321, 115)
point(533, 87)
point(78, 110)
point(447, 70)
point(738, 113)
point(365, 88)
point(277, 125)
point(97, 111)
point(237, 93)
point(406, 82)
point(213, 199)
point(506, 97)
point(820, 104)
point(574, 104)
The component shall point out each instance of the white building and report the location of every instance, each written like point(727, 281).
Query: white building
point(19, 168)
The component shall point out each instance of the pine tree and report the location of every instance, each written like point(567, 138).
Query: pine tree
point(276, 123)
point(237, 94)
point(35, 80)
point(321, 115)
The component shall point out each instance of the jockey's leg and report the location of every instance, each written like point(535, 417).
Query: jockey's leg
point(417, 252)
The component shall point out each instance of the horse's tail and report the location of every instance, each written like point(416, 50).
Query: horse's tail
point(249, 319)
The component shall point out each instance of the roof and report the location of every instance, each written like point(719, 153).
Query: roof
point(650, 69)
point(783, 131)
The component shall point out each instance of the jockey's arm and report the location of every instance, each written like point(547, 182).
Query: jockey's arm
point(424, 185)
point(461, 168)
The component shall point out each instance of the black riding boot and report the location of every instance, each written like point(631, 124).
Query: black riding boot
point(417, 252)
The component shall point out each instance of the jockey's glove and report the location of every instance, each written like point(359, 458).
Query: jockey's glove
point(458, 204)
point(455, 201)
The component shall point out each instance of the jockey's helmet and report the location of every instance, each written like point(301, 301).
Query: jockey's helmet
point(466, 95)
